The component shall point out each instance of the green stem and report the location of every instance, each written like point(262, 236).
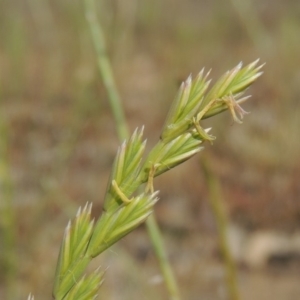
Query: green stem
point(157, 242)
point(255, 29)
point(123, 133)
point(8, 252)
point(221, 219)
point(106, 69)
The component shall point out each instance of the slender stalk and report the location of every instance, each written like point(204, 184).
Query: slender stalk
point(157, 242)
point(123, 133)
point(8, 251)
point(219, 212)
point(254, 27)
point(106, 69)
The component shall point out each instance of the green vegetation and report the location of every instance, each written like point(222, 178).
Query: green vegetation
point(181, 138)
point(58, 138)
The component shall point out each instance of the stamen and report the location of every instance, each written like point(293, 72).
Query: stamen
point(151, 175)
point(202, 133)
point(122, 196)
point(234, 108)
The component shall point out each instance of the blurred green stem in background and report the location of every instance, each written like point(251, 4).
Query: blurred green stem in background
point(220, 215)
point(157, 243)
point(8, 258)
point(106, 69)
point(254, 27)
point(123, 133)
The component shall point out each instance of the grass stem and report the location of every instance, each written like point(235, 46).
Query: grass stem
point(254, 28)
point(106, 69)
point(167, 272)
point(8, 257)
point(219, 212)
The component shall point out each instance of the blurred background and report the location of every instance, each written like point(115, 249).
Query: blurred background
point(58, 140)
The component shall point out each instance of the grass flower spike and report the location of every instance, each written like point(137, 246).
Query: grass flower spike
point(126, 169)
point(72, 259)
point(112, 226)
point(231, 85)
point(185, 106)
point(182, 137)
